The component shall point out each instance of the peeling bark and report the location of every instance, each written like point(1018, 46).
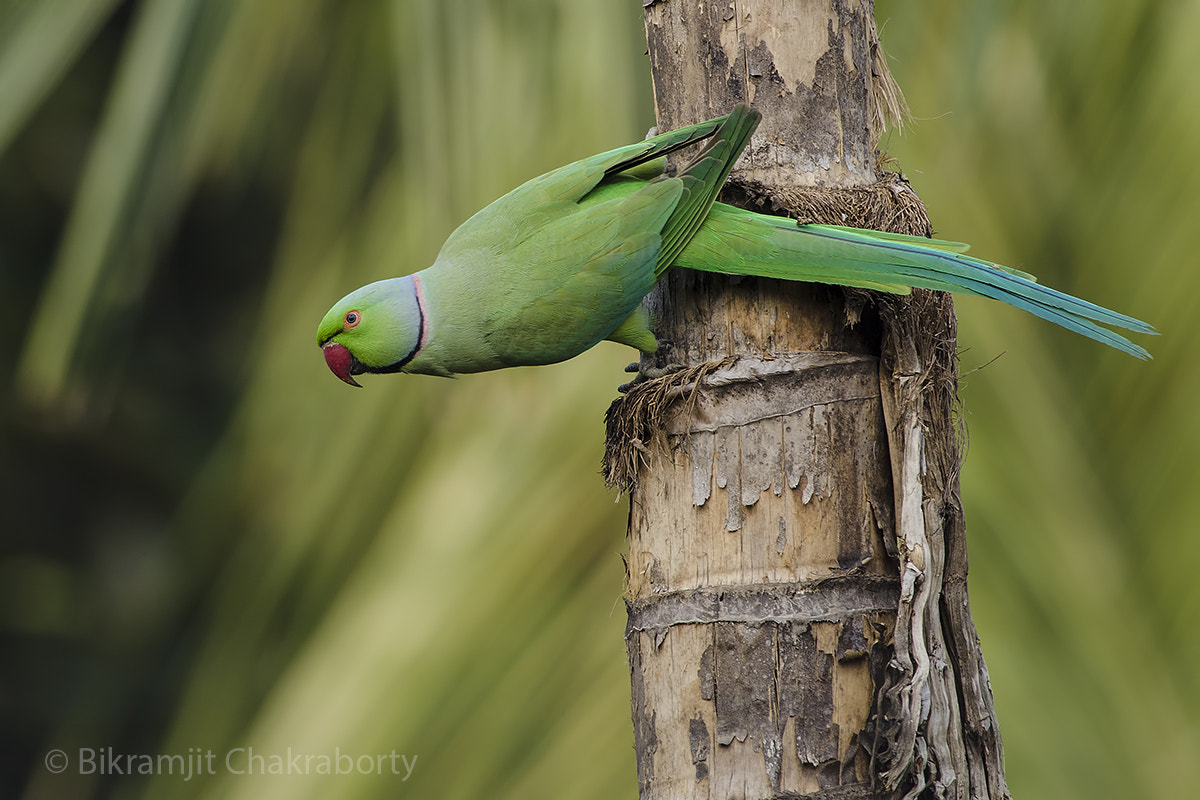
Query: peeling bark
point(798, 620)
point(781, 57)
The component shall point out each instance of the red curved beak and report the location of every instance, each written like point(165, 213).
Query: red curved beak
point(341, 362)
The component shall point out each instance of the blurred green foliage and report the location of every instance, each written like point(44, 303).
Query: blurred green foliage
point(209, 543)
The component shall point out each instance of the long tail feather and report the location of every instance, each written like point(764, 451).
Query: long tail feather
point(740, 242)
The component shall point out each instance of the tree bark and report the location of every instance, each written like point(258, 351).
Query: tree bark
point(798, 619)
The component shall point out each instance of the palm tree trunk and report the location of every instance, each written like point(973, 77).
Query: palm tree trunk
point(798, 618)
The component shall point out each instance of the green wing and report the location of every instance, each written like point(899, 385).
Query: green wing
point(702, 180)
point(559, 263)
point(530, 206)
point(583, 274)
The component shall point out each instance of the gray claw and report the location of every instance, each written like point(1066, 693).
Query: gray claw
point(647, 374)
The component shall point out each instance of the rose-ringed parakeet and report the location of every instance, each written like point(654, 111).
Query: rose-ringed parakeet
point(563, 262)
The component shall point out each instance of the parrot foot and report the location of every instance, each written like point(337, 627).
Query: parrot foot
point(646, 373)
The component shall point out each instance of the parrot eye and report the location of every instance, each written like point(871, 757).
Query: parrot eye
point(352, 318)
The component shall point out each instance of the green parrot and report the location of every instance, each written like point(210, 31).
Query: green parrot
point(562, 262)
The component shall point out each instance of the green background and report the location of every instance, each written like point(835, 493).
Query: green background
point(210, 543)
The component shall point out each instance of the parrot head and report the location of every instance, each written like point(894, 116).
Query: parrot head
point(378, 328)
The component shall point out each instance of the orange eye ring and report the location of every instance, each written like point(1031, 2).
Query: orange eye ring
point(352, 319)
